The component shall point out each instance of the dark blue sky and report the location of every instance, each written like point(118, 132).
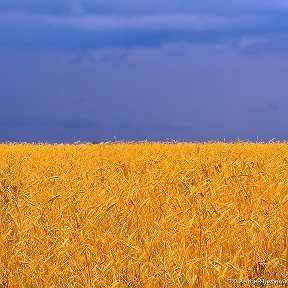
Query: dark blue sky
point(134, 70)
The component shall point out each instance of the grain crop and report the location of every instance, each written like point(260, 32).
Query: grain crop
point(143, 214)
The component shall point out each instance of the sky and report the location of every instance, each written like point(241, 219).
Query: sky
point(161, 70)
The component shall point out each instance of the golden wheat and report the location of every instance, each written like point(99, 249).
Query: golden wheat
point(143, 214)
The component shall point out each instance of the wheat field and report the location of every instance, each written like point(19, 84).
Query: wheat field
point(143, 214)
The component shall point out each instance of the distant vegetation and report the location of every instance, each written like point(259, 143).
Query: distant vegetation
point(142, 215)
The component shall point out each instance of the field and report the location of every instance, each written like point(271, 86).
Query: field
point(143, 214)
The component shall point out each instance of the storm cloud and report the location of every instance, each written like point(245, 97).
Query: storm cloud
point(90, 25)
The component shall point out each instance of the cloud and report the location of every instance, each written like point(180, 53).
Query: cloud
point(77, 26)
point(77, 33)
point(136, 7)
point(248, 42)
point(49, 123)
point(82, 57)
point(153, 22)
point(76, 7)
point(116, 58)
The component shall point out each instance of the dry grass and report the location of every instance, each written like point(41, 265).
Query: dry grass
point(142, 215)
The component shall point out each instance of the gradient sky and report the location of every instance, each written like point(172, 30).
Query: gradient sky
point(98, 70)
